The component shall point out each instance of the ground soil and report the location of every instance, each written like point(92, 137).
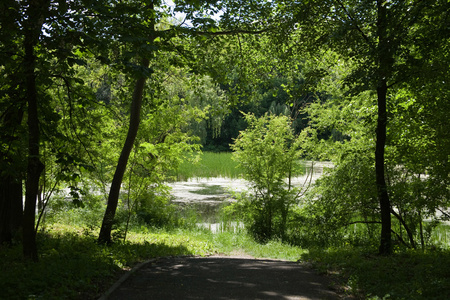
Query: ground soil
point(221, 277)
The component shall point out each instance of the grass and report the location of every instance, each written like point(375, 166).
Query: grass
point(211, 164)
point(241, 243)
point(441, 235)
point(404, 275)
point(73, 266)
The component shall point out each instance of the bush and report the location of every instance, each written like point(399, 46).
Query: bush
point(268, 152)
point(62, 209)
point(155, 210)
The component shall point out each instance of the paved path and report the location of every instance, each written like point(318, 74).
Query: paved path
point(221, 277)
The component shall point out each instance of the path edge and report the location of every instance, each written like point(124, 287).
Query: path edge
point(124, 277)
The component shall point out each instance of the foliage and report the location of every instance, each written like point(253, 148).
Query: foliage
point(268, 152)
point(260, 77)
point(202, 92)
point(62, 210)
point(385, 42)
point(156, 211)
point(346, 195)
point(328, 64)
point(148, 207)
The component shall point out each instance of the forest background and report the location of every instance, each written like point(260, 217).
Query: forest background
point(101, 102)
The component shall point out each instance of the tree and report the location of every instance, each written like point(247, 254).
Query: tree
point(42, 44)
point(148, 21)
point(163, 142)
point(145, 18)
point(36, 13)
point(380, 37)
point(113, 198)
point(12, 115)
point(202, 92)
point(268, 151)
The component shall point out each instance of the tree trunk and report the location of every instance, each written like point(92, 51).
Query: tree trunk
point(383, 197)
point(11, 177)
point(135, 118)
point(34, 165)
point(11, 208)
point(383, 68)
point(113, 198)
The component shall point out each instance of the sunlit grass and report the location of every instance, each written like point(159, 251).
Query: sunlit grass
point(73, 266)
point(241, 243)
point(211, 164)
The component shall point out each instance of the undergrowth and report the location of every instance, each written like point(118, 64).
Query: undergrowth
point(73, 266)
point(403, 275)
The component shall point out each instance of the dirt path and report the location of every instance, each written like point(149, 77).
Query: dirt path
point(221, 277)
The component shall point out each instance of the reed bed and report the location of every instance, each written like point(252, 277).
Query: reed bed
point(211, 164)
point(217, 164)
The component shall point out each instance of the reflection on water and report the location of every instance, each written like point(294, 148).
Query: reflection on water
point(207, 195)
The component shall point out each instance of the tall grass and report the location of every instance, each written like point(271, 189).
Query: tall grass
point(216, 164)
point(211, 164)
point(440, 236)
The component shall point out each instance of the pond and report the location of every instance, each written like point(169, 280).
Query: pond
point(207, 195)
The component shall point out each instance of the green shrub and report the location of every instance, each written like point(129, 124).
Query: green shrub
point(62, 210)
point(268, 152)
point(155, 210)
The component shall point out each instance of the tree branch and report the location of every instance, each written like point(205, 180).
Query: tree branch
point(231, 32)
point(362, 222)
point(400, 239)
point(408, 230)
point(444, 213)
point(354, 23)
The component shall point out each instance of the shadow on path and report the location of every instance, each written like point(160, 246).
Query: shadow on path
point(220, 277)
